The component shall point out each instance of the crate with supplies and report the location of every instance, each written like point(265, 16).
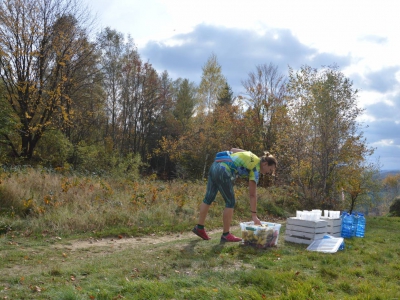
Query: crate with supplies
point(260, 236)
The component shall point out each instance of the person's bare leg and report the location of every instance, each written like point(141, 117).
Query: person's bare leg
point(203, 213)
point(227, 218)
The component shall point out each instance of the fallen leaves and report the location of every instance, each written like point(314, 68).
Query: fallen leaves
point(35, 288)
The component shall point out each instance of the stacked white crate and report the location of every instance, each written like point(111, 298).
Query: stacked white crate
point(305, 231)
point(334, 226)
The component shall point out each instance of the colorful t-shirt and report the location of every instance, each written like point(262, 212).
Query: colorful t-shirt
point(240, 164)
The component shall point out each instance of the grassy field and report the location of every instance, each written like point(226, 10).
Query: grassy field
point(98, 240)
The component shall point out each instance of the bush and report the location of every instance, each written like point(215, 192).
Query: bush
point(53, 149)
point(394, 210)
point(98, 160)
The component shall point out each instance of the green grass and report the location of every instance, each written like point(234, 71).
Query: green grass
point(190, 268)
point(45, 217)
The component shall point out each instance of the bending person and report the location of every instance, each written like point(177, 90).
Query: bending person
point(227, 166)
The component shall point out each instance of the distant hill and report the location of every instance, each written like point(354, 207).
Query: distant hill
point(385, 173)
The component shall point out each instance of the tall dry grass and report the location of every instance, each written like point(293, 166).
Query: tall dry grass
point(35, 200)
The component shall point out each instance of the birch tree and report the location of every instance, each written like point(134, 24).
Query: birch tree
point(324, 138)
point(211, 84)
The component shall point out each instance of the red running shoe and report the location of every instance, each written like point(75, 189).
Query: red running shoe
point(230, 238)
point(201, 233)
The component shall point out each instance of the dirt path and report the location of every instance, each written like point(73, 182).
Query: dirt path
point(131, 242)
point(60, 250)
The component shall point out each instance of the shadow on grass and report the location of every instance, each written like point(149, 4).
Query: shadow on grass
point(189, 248)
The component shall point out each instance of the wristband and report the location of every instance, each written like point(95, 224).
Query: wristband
point(254, 212)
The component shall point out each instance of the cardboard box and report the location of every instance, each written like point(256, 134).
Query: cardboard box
point(262, 237)
point(305, 231)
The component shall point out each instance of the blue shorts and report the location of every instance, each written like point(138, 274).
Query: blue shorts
point(219, 180)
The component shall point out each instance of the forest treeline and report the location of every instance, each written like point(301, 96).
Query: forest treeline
point(71, 100)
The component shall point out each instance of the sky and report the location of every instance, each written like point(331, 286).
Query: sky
point(360, 37)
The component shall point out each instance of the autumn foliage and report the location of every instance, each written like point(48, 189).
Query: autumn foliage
point(96, 106)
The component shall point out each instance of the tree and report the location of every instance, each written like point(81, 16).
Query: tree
point(225, 96)
point(391, 184)
point(111, 44)
point(211, 85)
point(185, 103)
point(361, 187)
point(266, 90)
point(8, 124)
point(324, 134)
point(43, 45)
point(391, 192)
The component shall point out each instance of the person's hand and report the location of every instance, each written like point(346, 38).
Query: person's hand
point(256, 220)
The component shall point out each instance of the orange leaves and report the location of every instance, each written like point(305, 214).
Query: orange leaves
point(65, 185)
point(47, 199)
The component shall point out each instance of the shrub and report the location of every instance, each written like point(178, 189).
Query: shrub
point(53, 148)
point(394, 210)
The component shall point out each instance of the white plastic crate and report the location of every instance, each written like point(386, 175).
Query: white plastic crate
point(257, 236)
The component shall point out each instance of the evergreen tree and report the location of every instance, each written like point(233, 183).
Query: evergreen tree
point(185, 103)
point(225, 97)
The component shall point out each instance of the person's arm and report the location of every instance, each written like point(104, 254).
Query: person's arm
point(253, 201)
point(234, 150)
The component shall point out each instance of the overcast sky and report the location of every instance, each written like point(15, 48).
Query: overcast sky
point(361, 37)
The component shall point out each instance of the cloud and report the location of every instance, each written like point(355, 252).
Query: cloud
point(388, 154)
point(238, 52)
point(386, 110)
point(382, 80)
point(384, 137)
point(383, 130)
point(376, 39)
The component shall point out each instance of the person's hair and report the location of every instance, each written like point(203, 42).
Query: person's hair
point(271, 160)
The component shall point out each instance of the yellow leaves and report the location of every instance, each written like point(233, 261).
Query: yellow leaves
point(28, 203)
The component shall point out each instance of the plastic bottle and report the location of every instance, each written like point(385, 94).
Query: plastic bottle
point(355, 221)
point(347, 223)
point(342, 246)
point(360, 225)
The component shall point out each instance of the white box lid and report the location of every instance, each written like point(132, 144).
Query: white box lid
point(327, 245)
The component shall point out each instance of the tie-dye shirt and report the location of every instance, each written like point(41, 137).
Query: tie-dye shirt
point(240, 164)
